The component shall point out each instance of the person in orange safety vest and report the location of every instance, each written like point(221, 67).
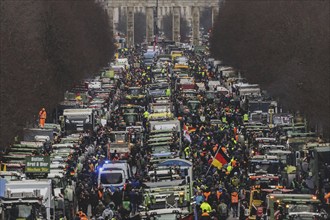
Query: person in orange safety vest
point(82, 216)
point(234, 203)
point(42, 117)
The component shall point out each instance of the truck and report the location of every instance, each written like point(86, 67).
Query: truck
point(176, 193)
point(28, 199)
point(38, 134)
point(165, 126)
point(175, 54)
point(320, 164)
point(77, 120)
point(260, 163)
point(257, 198)
point(64, 194)
point(294, 206)
point(167, 213)
point(120, 143)
point(160, 142)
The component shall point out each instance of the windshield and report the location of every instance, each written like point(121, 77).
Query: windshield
point(186, 81)
point(58, 183)
point(259, 106)
point(111, 178)
point(134, 91)
point(210, 95)
point(118, 137)
point(78, 119)
point(9, 177)
point(194, 105)
point(258, 117)
point(18, 169)
point(281, 120)
point(264, 182)
point(301, 208)
point(257, 195)
point(271, 168)
point(130, 110)
point(149, 55)
point(165, 217)
point(23, 211)
point(130, 118)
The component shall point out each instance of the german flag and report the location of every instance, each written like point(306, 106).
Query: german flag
point(189, 128)
point(186, 133)
point(220, 159)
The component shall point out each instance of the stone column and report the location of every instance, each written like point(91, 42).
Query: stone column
point(176, 24)
point(130, 26)
point(110, 11)
point(215, 12)
point(150, 24)
point(195, 25)
point(189, 15)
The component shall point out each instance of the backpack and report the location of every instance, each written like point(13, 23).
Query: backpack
point(222, 209)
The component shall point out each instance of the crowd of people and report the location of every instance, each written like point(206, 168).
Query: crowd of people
point(219, 189)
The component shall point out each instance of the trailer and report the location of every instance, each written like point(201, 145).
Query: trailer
point(28, 199)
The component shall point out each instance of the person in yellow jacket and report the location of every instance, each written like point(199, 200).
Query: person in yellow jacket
point(229, 168)
point(245, 117)
point(206, 206)
point(187, 152)
point(146, 114)
point(168, 92)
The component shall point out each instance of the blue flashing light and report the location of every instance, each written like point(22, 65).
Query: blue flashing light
point(101, 169)
point(107, 161)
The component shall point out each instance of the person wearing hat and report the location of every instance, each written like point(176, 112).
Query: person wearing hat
point(107, 213)
point(99, 208)
point(235, 180)
point(199, 198)
point(206, 206)
point(205, 215)
point(77, 217)
point(82, 215)
point(234, 203)
point(222, 210)
point(42, 117)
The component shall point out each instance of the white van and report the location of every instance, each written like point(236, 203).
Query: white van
point(76, 120)
point(113, 174)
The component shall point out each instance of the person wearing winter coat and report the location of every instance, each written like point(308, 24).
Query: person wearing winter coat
point(107, 213)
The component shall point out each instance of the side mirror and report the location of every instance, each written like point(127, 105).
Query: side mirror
point(142, 207)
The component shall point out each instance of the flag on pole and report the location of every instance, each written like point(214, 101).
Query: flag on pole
point(220, 159)
point(188, 128)
point(108, 153)
point(186, 133)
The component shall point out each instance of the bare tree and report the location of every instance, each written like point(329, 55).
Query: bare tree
point(46, 46)
point(139, 27)
point(284, 46)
